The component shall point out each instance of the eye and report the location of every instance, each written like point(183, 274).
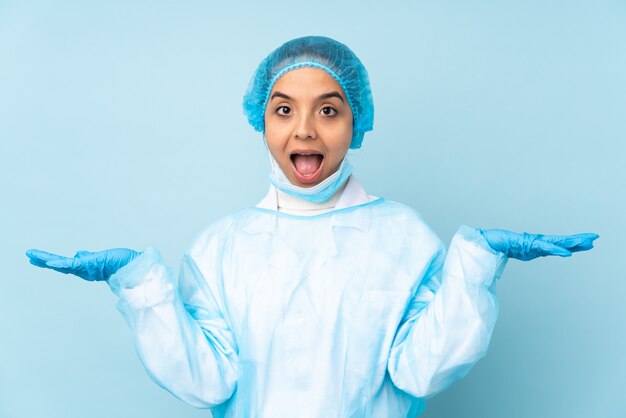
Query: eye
point(328, 111)
point(283, 110)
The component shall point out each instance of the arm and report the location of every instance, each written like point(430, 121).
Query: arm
point(179, 330)
point(448, 325)
point(450, 319)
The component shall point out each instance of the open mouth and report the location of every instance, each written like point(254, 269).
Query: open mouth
point(307, 165)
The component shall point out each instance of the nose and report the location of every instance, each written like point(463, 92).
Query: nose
point(305, 128)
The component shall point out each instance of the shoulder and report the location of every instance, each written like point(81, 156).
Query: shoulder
point(214, 235)
point(405, 216)
point(410, 223)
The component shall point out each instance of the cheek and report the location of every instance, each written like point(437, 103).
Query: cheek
point(273, 134)
point(277, 146)
point(276, 127)
point(339, 137)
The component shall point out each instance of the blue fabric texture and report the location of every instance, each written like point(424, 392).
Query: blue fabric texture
point(318, 52)
point(357, 312)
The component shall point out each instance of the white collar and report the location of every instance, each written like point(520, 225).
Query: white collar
point(352, 195)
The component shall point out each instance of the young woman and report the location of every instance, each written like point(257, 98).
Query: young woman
point(321, 300)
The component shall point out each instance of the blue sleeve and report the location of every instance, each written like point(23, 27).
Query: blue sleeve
point(179, 329)
point(450, 319)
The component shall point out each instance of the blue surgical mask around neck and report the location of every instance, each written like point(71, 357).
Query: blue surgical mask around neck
point(321, 192)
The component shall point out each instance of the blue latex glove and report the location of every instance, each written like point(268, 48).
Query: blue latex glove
point(90, 266)
point(528, 246)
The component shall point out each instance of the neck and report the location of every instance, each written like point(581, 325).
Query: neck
point(297, 206)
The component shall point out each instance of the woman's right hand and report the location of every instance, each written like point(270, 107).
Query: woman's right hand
point(87, 265)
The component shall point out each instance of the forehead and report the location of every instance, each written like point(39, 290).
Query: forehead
point(306, 80)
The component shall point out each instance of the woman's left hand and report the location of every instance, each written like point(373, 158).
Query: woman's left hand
point(529, 246)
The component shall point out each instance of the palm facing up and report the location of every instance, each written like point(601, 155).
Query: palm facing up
point(90, 266)
point(99, 266)
point(529, 246)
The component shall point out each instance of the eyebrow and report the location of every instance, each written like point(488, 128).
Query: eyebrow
point(320, 97)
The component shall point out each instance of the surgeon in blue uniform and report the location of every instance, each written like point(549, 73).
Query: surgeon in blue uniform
point(321, 300)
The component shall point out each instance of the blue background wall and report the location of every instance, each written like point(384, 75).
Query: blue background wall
point(121, 125)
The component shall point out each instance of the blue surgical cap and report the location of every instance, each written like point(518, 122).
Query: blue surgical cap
point(318, 52)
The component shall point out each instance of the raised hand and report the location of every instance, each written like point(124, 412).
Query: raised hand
point(529, 246)
point(89, 266)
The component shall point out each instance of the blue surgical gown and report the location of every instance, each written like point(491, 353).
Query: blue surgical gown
point(359, 312)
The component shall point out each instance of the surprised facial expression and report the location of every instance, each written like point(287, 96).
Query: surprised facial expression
point(308, 125)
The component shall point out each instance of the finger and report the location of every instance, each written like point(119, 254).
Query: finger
point(582, 244)
point(590, 235)
point(41, 255)
point(586, 235)
point(76, 266)
point(543, 248)
point(40, 258)
point(63, 270)
point(571, 241)
point(586, 244)
point(68, 266)
point(37, 262)
point(63, 262)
